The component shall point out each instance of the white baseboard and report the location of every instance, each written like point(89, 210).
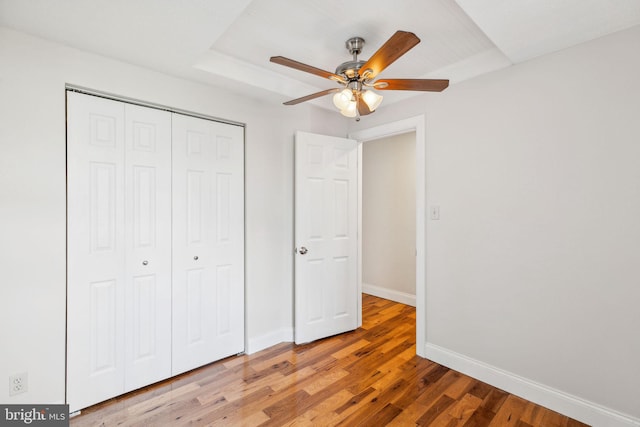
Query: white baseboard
point(256, 344)
point(564, 403)
point(390, 294)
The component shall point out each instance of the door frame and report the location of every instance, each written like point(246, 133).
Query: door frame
point(413, 124)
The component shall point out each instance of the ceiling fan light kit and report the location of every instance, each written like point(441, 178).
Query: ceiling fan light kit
point(372, 99)
point(347, 99)
point(357, 77)
point(342, 99)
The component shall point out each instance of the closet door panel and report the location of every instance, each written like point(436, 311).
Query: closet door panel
point(192, 257)
point(208, 242)
point(148, 246)
point(229, 235)
point(96, 250)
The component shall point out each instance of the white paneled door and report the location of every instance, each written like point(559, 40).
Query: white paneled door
point(147, 223)
point(155, 245)
point(119, 253)
point(326, 208)
point(208, 242)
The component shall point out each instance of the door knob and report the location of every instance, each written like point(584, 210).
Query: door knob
point(195, 258)
point(145, 262)
point(303, 250)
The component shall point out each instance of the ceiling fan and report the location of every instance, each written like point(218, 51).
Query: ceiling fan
point(357, 98)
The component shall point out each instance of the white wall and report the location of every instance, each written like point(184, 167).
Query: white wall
point(33, 75)
point(389, 217)
point(532, 272)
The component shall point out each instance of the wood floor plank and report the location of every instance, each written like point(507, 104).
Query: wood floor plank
point(480, 390)
point(356, 400)
point(323, 413)
point(409, 415)
point(375, 404)
point(464, 409)
point(284, 408)
point(439, 407)
point(418, 385)
point(367, 377)
point(296, 379)
point(494, 399)
point(325, 381)
point(436, 390)
point(234, 413)
point(533, 414)
point(480, 418)
point(509, 413)
point(277, 361)
point(382, 417)
point(460, 387)
point(238, 410)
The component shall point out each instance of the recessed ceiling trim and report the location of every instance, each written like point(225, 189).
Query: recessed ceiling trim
point(232, 68)
point(526, 29)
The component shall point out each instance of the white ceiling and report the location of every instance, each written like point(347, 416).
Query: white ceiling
point(229, 43)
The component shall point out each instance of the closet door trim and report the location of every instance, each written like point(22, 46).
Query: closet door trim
point(133, 101)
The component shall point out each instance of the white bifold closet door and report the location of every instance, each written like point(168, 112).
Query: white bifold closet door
point(119, 248)
point(155, 245)
point(208, 242)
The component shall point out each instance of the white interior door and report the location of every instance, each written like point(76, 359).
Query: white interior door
point(208, 230)
point(326, 209)
point(119, 248)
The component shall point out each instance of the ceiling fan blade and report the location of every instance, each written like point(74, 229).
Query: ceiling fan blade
point(399, 44)
point(431, 85)
point(306, 68)
point(312, 96)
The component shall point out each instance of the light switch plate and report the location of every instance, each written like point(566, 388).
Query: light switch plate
point(435, 212)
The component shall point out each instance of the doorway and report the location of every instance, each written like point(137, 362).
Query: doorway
point(414, 124)
point(389, 218)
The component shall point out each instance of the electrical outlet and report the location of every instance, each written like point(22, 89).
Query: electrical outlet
point(18, 383)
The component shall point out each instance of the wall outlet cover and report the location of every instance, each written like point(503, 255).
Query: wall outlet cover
point(18, 383)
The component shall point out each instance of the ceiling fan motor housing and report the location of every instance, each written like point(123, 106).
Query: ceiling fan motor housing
point(350, 69)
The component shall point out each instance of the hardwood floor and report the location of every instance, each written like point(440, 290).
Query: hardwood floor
point(369, 377)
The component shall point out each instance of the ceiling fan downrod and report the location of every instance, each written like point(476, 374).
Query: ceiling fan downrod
point(351, 68)
point(354, 46)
